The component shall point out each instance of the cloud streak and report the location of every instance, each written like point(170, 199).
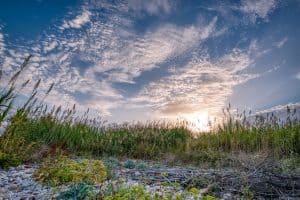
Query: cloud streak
point(152, 7)
point(258, 8)
point(79, 20)
point(202, 85)
point(2, 44)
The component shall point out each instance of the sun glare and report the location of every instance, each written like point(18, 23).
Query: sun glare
point(198, 121)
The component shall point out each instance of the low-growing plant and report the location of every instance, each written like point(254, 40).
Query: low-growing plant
point(110, 164)
point(194, 191)
point(130, 164)
point(80, 191)
point(248, 194)
point(133, 192)
point(176, 184)
point(290, 164)
point(209, 197)
point(165, 183)
point(15, 150)
point(157, 166)
point(9, 160)
point(142, 166)
point(64, 170)
point(139, 193)
point(196, 182)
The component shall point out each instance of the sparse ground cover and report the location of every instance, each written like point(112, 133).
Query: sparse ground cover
point(235, 159)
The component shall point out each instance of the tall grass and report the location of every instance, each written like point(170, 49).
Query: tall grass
point(34, 125)
point(152, 139)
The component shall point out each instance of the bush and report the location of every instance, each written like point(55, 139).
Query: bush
point(65, 170)
point(134, 192)
point(81, 191)
point(130, 164)
point(9, 160)
point(142, 166)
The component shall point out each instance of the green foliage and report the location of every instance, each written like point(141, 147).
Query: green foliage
point(130, 164)
point(142, 166)
point(9, 160)
point(209, 197)
point(6, 102)
point(15, 150)
point(65, 170)
point(154, 140)
point(80, 191)
point(196, 182)
point(176, 184)
point(157, 166)
point(139, 192)
point(134, 192)
point(290, 164)
point(110, 165)
point(194, 191)
point(165, 183)
point(248, 194)
point(35, 124)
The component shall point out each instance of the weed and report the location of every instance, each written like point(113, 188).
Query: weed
point(65, 170)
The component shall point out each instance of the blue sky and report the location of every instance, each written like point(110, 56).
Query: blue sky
point(140, 60)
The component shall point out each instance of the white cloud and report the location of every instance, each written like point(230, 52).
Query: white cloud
point(51, 46)
point(2, 44)
point(79, 20)
point(109, 51)
point(258, 8)
point(298, 76)
point(281, 108)
point(152, 7)
point(201, 85)
point(281, 42)
point(148, 51)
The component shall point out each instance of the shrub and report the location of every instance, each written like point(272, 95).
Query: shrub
point(130, 164)
point(133, 192)
point(209, 197)
point(14, 151)
point(9, 160)
point(139, 192)
point(81, 191)
point(110, 164)
point(142, 166)
point(65, 170)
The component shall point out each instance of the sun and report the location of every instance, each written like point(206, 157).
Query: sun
point(198, 121)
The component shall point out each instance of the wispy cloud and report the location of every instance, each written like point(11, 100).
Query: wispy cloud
point(280, 43)
point(102, 48)
point(250, 10)
point(147, 52)
point(204, 84)
point(258, 8)
point(65, 59)
point(2, 44)
point(281, 108)
point(108, 51)
point(78, 21)
point(152, 7)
